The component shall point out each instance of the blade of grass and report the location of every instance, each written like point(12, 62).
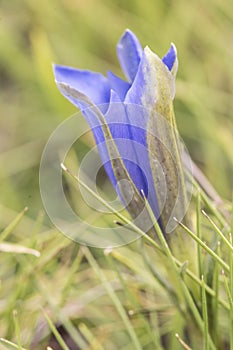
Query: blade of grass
point(18, 249)
point(218, 231)
point(209, 290)
point(114, 298)
point(198, 228)
point(55, 332)
point(230, 298)
point(9, 345)
point(17, 328)
point(231, 279)
point(7, 231)
point(70, 275)
point(203, 245)
point(231, 293)
point(215, 304)
point(205, 316)
point(185, 346)
point(162, 281)
point(92, 340)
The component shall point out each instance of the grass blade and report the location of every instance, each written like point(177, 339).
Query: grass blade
point(18, 249)
point(7, 231)
point(55, 332)
point(215, 305)
point(203, 245)
point(118, 305)
point(198, 228)
point(205, 316)
point(9, 345)
point(231, 293)
point(185, 346)
point(17, 329)
point(218, 231)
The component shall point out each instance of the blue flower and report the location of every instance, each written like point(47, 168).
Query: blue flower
point(126, 106)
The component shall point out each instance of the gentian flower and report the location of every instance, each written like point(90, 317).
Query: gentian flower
point(134, 127)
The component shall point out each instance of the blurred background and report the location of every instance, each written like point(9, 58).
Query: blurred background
point(83, 34)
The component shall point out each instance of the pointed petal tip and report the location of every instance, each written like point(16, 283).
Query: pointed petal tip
point(173, 49)
point(127, 37)
point(170, 57)
point(129, 52)
point(127, 33)
point(172, 45)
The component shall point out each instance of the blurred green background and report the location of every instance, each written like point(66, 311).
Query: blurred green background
point(83, 34)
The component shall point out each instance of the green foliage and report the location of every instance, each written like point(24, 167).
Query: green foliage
point(137, 296)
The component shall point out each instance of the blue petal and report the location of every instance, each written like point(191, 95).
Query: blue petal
point(88, 109)
point(138, 110)
point(129, 53)
point(90, 114)
point(138, 117)
point(170, 57)
point(137, 90)
point(128, 128)
point(93, 85)
point(126, 141)
point(119, 85)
